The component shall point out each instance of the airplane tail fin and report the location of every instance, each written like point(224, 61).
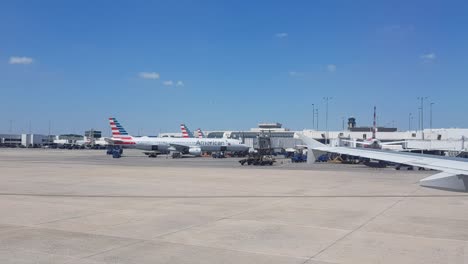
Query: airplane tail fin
point(200, 133)
point(119, 134)
point(186, 133)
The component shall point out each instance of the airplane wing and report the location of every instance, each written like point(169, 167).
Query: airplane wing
point(179, 147)
point(453, 175)
point(392, 142)
point(120, 141)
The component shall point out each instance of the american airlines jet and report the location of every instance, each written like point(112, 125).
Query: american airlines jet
point(193, 146)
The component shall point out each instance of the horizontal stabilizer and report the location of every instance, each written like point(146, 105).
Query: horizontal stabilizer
point(446, 181)
point(108, 140)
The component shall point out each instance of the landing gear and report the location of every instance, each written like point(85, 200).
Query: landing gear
point(400, 166)
point(176, 155)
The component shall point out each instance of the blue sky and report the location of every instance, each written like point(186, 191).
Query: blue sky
point(229, 64)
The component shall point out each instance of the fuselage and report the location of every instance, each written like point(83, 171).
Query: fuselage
point(205, 144)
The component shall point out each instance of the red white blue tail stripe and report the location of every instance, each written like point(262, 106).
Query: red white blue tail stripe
point(119, 134)
point(185, 131)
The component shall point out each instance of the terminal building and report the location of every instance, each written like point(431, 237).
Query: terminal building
point(93, 134)
point(24, 140)
point(10, 140)
point(444, 139)
point(38, 140)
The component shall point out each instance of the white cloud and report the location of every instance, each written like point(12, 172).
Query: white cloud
point(281, 35)
point(149, 75)
point(180, 84)
point(21, 60)
point(331, 67)
point(168, 83)
point(428, 57)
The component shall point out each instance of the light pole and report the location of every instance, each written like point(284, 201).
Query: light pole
point(410, 119)
point(430, 113)
point(419, 118)
point(313, 116)
point(327, 99)
point(422, 98)
point(317, 119)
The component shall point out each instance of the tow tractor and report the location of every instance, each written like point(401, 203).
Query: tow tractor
point(115, 151)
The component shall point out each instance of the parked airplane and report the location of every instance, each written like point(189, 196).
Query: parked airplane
point(453, 174)
point(375, 143)
point(193, 146)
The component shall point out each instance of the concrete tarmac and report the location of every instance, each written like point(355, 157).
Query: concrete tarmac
point(82, 206)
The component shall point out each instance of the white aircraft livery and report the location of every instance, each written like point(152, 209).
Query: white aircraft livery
point(453, 175)
point(193, 146)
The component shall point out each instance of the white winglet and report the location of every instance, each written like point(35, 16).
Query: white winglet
point(446, 181)
point(312, 144)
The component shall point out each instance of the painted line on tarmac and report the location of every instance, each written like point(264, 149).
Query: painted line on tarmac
point(226, 196)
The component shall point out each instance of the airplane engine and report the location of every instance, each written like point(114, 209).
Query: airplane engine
point(196, 151)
